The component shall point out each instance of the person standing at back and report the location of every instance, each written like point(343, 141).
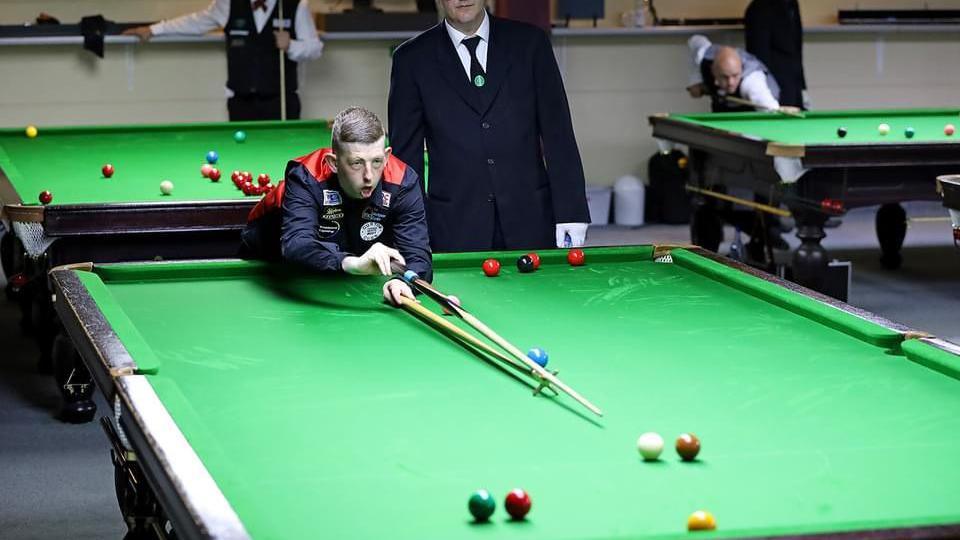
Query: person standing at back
point(773, 33)
point(485, 96)
point(254, 33)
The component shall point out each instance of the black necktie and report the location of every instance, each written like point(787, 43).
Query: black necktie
point(477, 76)
point(259, 4)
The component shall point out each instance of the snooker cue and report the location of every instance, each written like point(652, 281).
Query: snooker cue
point(730, 198)
point(748, 103)
point(457, 310)
point(283, 71)
point(415, 308)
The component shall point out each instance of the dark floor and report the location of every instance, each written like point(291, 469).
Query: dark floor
point(56, 480)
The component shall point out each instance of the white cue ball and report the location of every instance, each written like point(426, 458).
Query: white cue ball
point(166, 187)
point(883, 129)
point(650, 445)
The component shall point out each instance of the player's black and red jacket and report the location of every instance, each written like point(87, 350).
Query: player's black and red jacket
point(308, 220)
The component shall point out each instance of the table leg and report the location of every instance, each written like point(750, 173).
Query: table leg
point(74, 381)
point(810, 259)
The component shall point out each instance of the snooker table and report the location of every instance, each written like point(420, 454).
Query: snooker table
point(804, 165)
point(258, 401)
point(125, 217)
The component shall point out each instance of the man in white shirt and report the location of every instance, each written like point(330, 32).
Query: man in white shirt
point(719, 72)
point(253, 63)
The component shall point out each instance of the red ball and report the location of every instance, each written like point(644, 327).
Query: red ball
point(491, 267)
point(107, 170)
point(247, 187)
point(214, 174)
point(575, 257)
point(535, 258)
point(949, 130)
point(247, 176)
point(263, 179)
point(46, 197)
point(236, 176)
point(517, 504)
point(688, 446)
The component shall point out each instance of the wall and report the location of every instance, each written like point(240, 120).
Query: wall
point(613, 83)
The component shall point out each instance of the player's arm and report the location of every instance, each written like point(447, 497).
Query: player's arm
point(299, 237)
point(308, 45)
point(560, 152)
point(405, 117)
point(410, 227)
point(214, 16)
point(698, 45)
point(754, 88)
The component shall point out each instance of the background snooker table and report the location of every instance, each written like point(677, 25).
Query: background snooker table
point(125, 217)
point(803, 164)
point(269, 403)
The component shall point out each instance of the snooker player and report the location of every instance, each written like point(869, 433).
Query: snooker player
point(719, 71)
point(353, 208)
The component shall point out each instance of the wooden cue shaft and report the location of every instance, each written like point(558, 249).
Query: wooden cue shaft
point(748, 103)
point(414, 307)
point(283, 70)
point(730, 198)
point(505, 345)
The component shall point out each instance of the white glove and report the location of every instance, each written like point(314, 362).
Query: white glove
point(375, 261)
point(571, 234)
point(807, 105)
point(394, 289)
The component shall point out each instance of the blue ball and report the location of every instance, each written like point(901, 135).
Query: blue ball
point(539, 356)
point(212, 157)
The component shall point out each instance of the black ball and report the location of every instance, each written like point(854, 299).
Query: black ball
point(525, 264)
point(841, 132)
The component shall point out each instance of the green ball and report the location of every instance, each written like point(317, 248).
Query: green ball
point(481, 505)
point(909, 132)
point(240, 136)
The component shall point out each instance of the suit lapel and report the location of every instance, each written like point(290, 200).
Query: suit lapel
point(498, 63)
point(453, 72)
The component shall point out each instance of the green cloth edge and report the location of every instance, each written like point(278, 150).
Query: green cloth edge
point(827, 315)
point(707, 118)
point(929, 356)
point(123, 327)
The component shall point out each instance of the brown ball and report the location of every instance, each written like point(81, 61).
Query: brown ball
point(688, 446)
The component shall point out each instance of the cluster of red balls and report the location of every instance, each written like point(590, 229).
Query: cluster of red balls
point(244, 182)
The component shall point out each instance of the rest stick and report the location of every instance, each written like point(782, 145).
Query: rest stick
point(444, 300)
point(414, 307)
point(283, 69)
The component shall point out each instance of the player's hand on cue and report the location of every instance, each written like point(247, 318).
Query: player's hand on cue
point(396, 288)
point(375, 261)
point(142, 32)
point(283, 39)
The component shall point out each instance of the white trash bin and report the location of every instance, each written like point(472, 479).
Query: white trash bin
point(598, 201)
point(628, 200)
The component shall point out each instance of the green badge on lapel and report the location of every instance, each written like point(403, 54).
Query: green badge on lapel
point(479, 81)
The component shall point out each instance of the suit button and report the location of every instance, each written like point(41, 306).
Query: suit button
point(491, 197)
point(490, 161)
point(485, 125)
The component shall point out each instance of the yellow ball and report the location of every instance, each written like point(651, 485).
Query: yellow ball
point(31, 131)
point(701, 520)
